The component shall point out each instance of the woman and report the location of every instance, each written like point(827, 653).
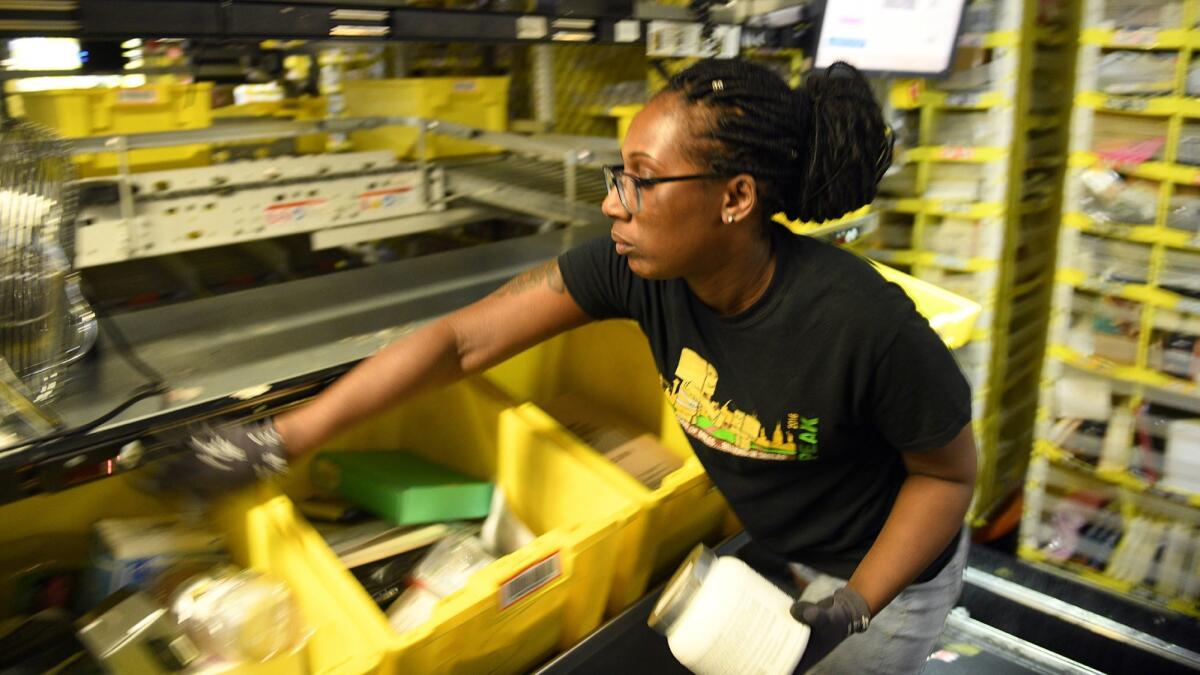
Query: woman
point(822, 405)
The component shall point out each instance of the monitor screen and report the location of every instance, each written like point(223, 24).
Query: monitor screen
point(901, 37)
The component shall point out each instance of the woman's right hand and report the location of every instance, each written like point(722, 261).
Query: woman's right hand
point(217, 460)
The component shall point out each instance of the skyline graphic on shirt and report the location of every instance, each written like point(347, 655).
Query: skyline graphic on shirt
point(725, 428)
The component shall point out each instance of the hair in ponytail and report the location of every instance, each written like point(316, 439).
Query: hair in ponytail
point(817, 152)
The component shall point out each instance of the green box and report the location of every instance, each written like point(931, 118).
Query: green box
point(401, 487)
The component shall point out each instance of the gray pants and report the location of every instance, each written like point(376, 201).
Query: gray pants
point(902, 636)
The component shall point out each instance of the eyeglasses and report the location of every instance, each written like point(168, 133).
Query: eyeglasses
point(629, 188)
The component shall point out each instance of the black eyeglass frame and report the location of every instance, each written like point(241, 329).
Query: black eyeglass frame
point(613, 172)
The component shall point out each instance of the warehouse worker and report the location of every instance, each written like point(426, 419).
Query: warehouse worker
point(822, 405)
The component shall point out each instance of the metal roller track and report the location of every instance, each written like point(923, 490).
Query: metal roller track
point(540, 189)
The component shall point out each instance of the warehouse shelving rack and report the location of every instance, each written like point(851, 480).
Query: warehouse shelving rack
point(1015, 156)
point(1126, 499)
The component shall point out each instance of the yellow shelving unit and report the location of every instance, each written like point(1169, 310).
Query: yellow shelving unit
point(974, 205)
point(1112, 383)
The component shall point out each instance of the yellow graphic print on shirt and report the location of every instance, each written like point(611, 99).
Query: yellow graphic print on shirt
point(724, 428)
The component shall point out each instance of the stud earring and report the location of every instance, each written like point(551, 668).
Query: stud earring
point(730, 219)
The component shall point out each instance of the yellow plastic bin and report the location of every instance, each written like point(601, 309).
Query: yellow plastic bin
point(521, 609)
point(950, 315)
point(610, 363)
point(262, 533)
point(78, 113)
point(480, 102)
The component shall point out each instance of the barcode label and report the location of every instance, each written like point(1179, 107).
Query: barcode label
point(527, 582)
point(137, 96)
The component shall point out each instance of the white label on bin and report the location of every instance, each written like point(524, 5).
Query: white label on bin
point(530, 580)
point(148, 96)
point(532, 27)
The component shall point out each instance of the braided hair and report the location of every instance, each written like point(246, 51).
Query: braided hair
point(816, 153)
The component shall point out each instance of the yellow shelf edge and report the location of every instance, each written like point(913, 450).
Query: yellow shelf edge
point(1138, 234)
point(952, 153)
point(1124, 373)
point(1061, 456)
point(1150, 106)
point(1004, 38)
point(931, 259)
point(1135, 38)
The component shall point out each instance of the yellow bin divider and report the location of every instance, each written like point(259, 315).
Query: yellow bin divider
point(101, 111)
point(548, 595)
point(610, 363)
point(480, 102)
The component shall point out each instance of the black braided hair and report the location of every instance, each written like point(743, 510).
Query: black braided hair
point(817, 152)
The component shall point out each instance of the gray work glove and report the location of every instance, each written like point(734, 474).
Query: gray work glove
point(217, 460)
point(831, 620)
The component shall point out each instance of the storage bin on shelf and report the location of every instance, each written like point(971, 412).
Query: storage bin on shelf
point(520, 609)
point(480, 102)
point(261, 533)
point(79, 113)
point(951, 316)
point(609, 363)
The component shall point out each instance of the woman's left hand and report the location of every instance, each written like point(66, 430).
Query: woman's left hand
point(831, 620)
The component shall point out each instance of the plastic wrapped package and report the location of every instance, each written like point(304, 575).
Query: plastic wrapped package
point(1184, 213)
point(445, 569)
point(235, 615)
point(956, 182)
point(1110, 260)
point(1188, 150)
point(964, 129)
point(1126, 14)
point(1193, 79)
point(1181, 273)
point(1136, 73)
point(1109, 198)
point(1126, 139)
point(963, 237)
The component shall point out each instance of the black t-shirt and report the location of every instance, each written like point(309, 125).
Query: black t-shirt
point(798, 407)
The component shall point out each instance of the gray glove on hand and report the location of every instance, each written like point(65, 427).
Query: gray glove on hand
point(831, 620)
point(217, 460)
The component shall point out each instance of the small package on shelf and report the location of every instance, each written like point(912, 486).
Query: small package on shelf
point(1184, 213)
point(1125, 139)
point(967, 129)
point(1110, 198)
point(1134, 557)
point(1193, 79)
point(1181, 460)
point(1188, 150)
point(1177, 354)
point(1174, 568)
point(1108, 260)
point(1150, 14)
point(956, 182)
point(1181, 273)
point(1111, 333)
point(963, 237)
point(1081, 528)
point(1130, 73)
